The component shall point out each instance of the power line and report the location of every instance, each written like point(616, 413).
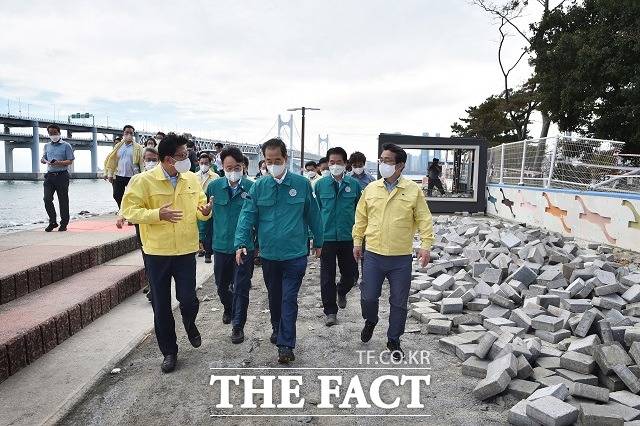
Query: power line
point(268, 132)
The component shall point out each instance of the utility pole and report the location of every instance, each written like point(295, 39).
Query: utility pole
point(303, 109)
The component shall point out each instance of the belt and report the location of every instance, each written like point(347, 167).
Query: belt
point(58, 173)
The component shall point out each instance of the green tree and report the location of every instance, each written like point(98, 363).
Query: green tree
point(587, 58)
point(494, 118)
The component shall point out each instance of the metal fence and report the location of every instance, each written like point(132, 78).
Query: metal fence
point(565, 162)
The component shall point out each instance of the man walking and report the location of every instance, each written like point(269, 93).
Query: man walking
point(232, 280)
point(337, 198)
point(58, 156)
point(166, 202)
point(434, 172)
point(124, 161)
point(282, 208)
point(358, 162)
point(389, 212)
point(206, 175)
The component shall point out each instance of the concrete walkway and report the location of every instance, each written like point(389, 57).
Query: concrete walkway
point(43, 392)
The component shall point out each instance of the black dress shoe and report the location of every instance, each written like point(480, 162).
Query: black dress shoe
point(51, 227)
point(194, 336)
point(396, 351)
point(274, 337)
point(285, 355)
point(226, 318)
point(237, 335)
point(169, 363)
point(62, 228)
point(367, 331)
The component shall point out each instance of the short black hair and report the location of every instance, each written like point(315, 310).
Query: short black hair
point(204, 155)
point(260, 163)
point(117, 138)
point(169, 145)
point(233, 152)
point(357, 157)
point(218, 145)
point(336, 150)
point(161, 133)
point(128, 126)
point(323, 160)
point(151, 150)
point(54, 127)
point(275, 143)
point(191, 144)
point(151, 140)
point(245, 160)
point(400, 154)
point(436, 160)
point(310, 163)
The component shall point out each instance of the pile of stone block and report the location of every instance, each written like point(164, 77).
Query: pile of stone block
point(551, 321)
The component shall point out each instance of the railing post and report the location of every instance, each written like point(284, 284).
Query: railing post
point(552, 165)
point(501, 163)
point(524, 153)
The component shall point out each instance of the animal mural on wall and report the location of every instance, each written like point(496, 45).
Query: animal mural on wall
point(635, 223)
point(507, 202)
point(595, 218)
point(556, 211)
point(526, 204)
point(493, 200)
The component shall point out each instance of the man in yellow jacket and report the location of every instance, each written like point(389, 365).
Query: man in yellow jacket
point(125, 160)
point(389, 212)
point(166, 202)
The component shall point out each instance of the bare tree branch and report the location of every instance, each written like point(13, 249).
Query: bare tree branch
point(503, 15)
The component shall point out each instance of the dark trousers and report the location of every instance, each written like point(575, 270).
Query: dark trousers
point(207, 243)
point(283, 279)
point(435, 183)
point(233, 282)
point(160, 270)
point(119, 185)
point(343, 252)
point(397, 269)
point(57, 182)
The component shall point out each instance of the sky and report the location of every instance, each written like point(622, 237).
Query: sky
point(226, 69)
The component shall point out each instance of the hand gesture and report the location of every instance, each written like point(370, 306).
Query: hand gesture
point(318, 252)
point(423, 257)
point(119, 222)
point(357, 252)
point(206, 209)
point(170, 215)
point(43, 161)
point(239, 253)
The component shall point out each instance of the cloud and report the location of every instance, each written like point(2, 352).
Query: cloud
point(226, 69)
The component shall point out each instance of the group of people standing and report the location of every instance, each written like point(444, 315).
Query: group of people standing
point(183, 203)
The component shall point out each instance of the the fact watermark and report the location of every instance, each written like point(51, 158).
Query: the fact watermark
point(378, 383)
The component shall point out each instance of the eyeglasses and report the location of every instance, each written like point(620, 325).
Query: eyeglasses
point(181, 157)
point(387, 161)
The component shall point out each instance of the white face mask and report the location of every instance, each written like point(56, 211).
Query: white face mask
point(386, 170)
point(204, 168)
point(148, 165)
point(358, 170)
point(326, 173)
point(336, 169)
point(54, 138)
point(233, 176)
point(311, 174)
point(276, 170)
point(183, 165)
point(264, 172)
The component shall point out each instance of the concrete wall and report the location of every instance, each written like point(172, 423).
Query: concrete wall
point(609, 218)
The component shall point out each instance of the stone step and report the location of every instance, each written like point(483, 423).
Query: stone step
point(37, 322)
point(26, 268)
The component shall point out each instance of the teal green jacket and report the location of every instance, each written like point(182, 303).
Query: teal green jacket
point(282, 214)
point(225, 214)
point(338, 210)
